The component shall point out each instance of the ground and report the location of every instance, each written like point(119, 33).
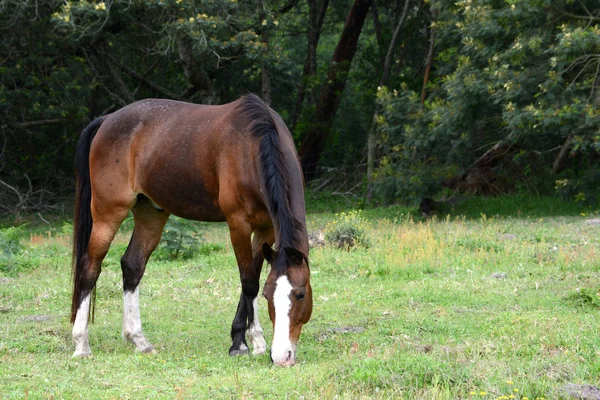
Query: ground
point(488, 305)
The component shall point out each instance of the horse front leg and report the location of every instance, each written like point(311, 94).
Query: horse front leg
point(246, 317)
point(255, 331)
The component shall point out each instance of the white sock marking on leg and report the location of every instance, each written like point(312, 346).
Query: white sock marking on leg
point(256, 333)
point(132, 323)
point(281, 335)
point(80, 330)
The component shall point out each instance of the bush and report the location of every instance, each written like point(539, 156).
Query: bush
point(348, 231)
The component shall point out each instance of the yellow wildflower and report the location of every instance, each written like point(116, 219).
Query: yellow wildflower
point(101, 6)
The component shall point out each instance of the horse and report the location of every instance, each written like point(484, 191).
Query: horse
point(234, 162)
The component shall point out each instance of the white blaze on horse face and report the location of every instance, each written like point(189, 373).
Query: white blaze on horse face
point(132, 323)
point(80, 331)
point(282, 351)
point(256, 333)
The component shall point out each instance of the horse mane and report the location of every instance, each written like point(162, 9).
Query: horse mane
point(274, 170)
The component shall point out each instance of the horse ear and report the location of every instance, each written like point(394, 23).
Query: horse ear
point(268, 252)
point(295, 256)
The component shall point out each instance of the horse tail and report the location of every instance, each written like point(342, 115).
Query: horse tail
point(82, 225)
point(274, 169)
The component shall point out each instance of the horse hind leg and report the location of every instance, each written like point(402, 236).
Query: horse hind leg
point(149, 224)
point(103, 232)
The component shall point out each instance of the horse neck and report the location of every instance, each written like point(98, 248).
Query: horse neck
point(296, 208)
point(299, 237)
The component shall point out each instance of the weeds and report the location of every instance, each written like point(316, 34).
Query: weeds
point(347, 231)
point(180, 240)
point(585, 297)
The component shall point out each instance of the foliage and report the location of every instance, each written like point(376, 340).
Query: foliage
point(180, 240)
point(349, 230)
point(519, 73)
point(523, 74)
point(415, 153)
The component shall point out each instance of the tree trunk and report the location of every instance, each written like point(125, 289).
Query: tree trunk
point(316, 16)
point(127, 97)
point(329, 100)
point(563, 155)
point(199, 80)
point(428, 64)
point(385, 77)
point(265, 70)
point(378, 31)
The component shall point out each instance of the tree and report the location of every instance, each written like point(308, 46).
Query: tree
point(515, 83)
point(316, 16)
point(328, 102)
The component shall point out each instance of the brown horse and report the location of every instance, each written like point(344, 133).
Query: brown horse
point(236, 163)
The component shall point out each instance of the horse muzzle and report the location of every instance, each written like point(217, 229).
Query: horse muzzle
point(285, 357)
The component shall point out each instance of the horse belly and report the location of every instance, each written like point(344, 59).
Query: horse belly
point(183, 195)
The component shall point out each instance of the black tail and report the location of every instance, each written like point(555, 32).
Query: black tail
point(274, 168)
point(82, 225)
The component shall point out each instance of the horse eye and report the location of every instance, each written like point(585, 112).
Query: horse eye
point(300, 296)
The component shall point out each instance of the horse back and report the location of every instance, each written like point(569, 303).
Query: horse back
point(191, 160)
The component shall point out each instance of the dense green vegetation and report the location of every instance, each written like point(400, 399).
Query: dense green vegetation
point(474, 96)
point(500, 302)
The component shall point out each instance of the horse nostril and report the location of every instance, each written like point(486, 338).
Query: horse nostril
point(271, 355)
point(289, 356)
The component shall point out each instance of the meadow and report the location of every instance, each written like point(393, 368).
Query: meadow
point(498, 298)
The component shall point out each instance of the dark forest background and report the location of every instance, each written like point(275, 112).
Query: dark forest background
point(390, 100)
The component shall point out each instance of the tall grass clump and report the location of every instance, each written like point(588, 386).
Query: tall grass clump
point(348, 230)
point(10, 249)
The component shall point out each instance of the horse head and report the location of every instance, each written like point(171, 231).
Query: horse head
point(289, 296)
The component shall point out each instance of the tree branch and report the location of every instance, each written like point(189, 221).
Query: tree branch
point(133, 73)
point(28, 124)
point(287, 6)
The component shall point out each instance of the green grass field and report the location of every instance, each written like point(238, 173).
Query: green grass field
point(503, 306)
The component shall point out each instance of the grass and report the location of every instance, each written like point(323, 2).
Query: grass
point(457, 307)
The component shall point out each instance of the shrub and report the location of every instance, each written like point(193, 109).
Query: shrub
point(349, 230)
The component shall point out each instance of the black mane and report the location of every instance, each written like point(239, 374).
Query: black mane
point(274, 171)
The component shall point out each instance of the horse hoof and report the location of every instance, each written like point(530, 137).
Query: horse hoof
point(149, 350)
point(82, 354)
point(259, 351)
point(241, 351)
